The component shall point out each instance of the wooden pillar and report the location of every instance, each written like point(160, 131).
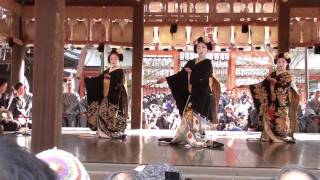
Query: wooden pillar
point(16, 64)
point(17, 52)
point(283, 26)
point(137, 65)
point(47, 74)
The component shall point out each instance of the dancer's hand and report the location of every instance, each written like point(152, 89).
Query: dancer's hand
point(107, 76)
point(273, 81)
point(162, 80)
point(188, 69)
point(244, 86)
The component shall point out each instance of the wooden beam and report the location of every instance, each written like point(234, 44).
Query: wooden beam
point(88, 12)
point(215, 15)
point(126, 44)
point(219, 23)
point(15, 39)
point(12, 6)
point(100, 3)
point(99, 12)
point(303, 3)
point(93, 3)
point(17, 70)
point(305, 12)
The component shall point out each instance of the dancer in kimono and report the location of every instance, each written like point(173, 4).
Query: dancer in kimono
point(107, 100)
point(197, 93)
point(276, 101)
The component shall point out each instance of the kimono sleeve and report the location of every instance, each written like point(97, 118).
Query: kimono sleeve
point(94, 87)
point(260, 93)
point(178, 84)
point(119, 78)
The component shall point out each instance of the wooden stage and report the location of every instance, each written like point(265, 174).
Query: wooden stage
point(240, 158)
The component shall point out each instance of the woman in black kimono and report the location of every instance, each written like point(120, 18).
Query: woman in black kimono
point(107, 100)
point(276, 101)
point(197, 93)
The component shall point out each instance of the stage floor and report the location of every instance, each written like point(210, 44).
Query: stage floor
point(141, 147)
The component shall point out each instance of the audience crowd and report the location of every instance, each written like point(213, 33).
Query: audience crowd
point(234, 113)
point(159, 110)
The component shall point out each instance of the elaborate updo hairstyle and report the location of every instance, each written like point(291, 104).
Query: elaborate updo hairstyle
point(18, 85)
point(202, 40)
point(114, 51)
point(284, 55)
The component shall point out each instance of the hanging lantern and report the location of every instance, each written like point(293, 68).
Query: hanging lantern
point(274, 35)
point(257, 35)
point(202, 7)
point(238, 7)
point(127, 32)
point(223, 7)
point(241, 39)
point(98, 32)
point(224, 35)
point(295, 32)
point(258, 7)
point(29, 30)
point(309, 31)
point(80, 31)
point(268, 7)
point(148, 35)
point(165, 37)
point(67, 31)
point(184, 7)
point(155, 7)
point(196, 32)
point(179, 38)
point(4, 26)
point(173, 7)
point(116, 32)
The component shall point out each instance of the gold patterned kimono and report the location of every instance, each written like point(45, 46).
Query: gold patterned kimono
point(107, 103)
point(277, 107)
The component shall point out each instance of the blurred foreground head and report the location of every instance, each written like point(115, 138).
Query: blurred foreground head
point(18, 164)
point(292, 172)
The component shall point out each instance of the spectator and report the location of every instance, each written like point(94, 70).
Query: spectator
point(19, 104)
point(4, 97)
point(71, 100)
point(221, 106)
point(253, 120)
point(295, 172)
point(228, 115)
point(232, 127)
point(28, 99)
point(66, 165)
point(6, 120)
point(16, 164)
point(162, 122)
point(312, 113)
